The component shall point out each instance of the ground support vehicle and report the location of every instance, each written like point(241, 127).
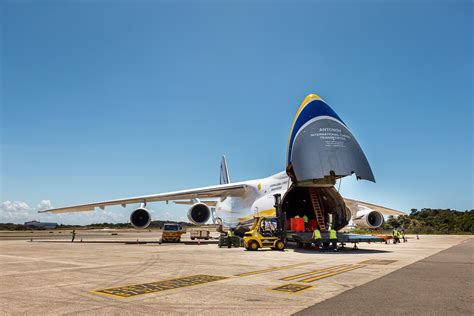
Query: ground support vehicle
point(172, 232)
point(235, 240)
point(267, 232)
point(200, 234)
point(263, 234)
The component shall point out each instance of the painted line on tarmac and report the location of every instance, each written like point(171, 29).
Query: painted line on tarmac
point(292, 288)
point(273, 269)
point(378, 261)
point(332, 273)
point(158, 286)
point(317, 271)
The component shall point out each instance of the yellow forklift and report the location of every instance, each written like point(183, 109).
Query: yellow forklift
point(267, 232)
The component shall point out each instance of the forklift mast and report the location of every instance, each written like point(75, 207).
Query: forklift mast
point(281, 217)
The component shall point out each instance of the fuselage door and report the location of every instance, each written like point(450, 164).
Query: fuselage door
point(321, 148)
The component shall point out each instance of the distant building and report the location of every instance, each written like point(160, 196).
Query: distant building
point(36, 224)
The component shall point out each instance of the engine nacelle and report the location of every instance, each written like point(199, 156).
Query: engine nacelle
point(199, 213)
point(367, 218)
point(140, 218)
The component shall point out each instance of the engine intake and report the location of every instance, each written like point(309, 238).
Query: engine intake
point(199, 213)
point(140, 218)
point(368, 218)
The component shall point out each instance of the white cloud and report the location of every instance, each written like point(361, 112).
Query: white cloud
point(44, 205)
point(19, 212)
point(14, 211)
point(17, 206)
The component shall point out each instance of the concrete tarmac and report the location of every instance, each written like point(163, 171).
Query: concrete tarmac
point(442, 284)
point(52, 276)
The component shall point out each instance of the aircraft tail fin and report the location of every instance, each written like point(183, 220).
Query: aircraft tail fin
point(224, 179)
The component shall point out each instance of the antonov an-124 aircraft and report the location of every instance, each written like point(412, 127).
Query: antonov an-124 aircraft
point(321, 150)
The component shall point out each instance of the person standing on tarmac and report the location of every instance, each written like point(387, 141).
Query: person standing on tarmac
point(305, 218)
point(230, 234)
point(399, 234)
point(73, 233)
point(333, 238)
point(317, 238)
point(396, 236)
point(403, 235)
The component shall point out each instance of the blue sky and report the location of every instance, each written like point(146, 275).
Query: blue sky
point(109, 99)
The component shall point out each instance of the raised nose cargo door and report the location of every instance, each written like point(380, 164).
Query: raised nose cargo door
point(321, 147)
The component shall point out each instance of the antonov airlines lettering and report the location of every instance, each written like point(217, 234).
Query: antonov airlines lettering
point(320, 150)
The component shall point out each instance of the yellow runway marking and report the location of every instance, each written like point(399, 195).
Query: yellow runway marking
point(331, 273)
point(273, 269)
point(318, 271)
point(159, 286)
point(292, 288)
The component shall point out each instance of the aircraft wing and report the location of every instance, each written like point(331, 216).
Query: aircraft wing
point(352, 204)
point(217, 191)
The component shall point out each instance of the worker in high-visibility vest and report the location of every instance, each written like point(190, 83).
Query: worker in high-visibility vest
point(402, 234)
point(333, 238)
point(396, 237)
point(230, 234)
point(317, 238)
point(73, 235)
point(305, 219)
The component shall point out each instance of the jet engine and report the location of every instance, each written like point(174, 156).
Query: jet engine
point(367, 218)
point(140, 218)
point(199, 213)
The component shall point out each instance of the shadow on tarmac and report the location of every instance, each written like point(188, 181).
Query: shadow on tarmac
point(344, 250)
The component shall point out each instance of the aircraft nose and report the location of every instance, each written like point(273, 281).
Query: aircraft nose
point(321, 145)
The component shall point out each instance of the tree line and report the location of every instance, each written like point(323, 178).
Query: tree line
point(433, 221)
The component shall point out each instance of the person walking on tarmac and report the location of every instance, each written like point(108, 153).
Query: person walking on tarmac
point(230, 234)
point(333, 238)
point(317, 238)
point(73, 233)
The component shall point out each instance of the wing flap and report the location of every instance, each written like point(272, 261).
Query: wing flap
point(208, 203)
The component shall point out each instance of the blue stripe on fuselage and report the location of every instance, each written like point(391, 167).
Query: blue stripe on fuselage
point(311, 110)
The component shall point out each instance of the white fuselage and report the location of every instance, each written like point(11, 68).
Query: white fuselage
point(257, 200)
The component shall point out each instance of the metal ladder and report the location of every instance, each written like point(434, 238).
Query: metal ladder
point(313, 192)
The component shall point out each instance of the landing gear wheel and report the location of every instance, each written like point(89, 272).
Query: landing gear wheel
point(253, 245)
point(279, 245)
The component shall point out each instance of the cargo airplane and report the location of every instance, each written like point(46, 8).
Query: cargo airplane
point(320, 151)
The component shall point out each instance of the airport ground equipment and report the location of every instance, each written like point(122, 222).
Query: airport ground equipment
point(263, 235)
point(235, 240)
point(200, 234)
point(172, 232)
point(267, 232)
